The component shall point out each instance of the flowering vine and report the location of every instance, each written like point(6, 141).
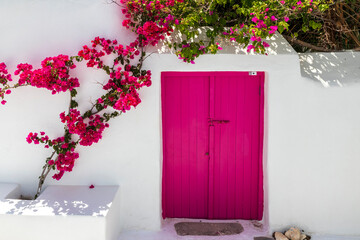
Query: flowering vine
point(126, 78)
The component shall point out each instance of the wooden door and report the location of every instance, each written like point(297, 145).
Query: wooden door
point(212, 145)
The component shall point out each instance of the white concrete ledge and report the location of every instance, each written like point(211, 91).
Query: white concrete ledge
point(9, 190)
point(62, 212)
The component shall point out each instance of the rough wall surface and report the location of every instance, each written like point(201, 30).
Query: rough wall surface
point(312, 132)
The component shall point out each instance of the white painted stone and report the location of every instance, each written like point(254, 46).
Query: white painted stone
point(63, 212)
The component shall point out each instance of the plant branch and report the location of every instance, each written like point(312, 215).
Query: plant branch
point(43, 176)
point(305, 44)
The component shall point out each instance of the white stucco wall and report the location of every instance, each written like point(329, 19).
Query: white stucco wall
point(313, 154)
point(128, 155)
point(311, 145)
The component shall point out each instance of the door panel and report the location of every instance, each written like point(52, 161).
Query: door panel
point(227, 182)
point(236, 157)
point(185, 106)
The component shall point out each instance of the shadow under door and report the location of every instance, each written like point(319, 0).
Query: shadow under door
point(212, 145)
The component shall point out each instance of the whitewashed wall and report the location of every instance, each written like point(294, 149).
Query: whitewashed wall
point(128, 155)
point(311, 145)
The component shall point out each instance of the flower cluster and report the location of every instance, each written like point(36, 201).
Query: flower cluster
point(125, 80)
point(123, 86)
point(101, 47)
point(66, 152)
point(152, 32)
point(269, 17)
point(159, 23)
point(89, 132)
point(53, 74)
point(64, 163)
point(126, 100)
point(5, 77)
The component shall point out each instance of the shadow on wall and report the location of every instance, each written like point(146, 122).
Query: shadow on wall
point(331, 69)
point(278, 45)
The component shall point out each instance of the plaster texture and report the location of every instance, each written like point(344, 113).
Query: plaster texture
point(311, 153)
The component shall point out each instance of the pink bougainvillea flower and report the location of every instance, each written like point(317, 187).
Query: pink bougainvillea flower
point(254, 38)
point(286, 19)
point(3, 102)
point(250, 47)
point(265, 44)
point(91, 186)
point(65, 145)
point(273, 29)
point(273, 18)
point(255, 19)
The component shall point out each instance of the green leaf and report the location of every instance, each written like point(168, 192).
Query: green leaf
point(73, 93)
point(305, 28)
point(73, 104)
point(99, 107)
point(107, 69)
point(87, 114)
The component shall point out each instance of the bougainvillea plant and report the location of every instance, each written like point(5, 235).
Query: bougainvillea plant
point(245, 22)
point(126, 77)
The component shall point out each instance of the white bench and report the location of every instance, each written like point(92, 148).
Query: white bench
point(61, 212)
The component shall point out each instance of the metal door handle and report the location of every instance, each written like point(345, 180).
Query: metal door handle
point(218, 121)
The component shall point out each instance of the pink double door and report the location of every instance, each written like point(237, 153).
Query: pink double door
point(212, 145)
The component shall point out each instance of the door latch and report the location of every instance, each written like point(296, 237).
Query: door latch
point(212, 121)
